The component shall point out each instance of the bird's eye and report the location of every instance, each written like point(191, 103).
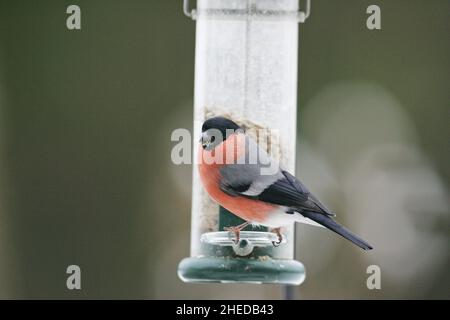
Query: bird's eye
point(212, 139)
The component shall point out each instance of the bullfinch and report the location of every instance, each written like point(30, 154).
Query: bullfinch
point(236, 173)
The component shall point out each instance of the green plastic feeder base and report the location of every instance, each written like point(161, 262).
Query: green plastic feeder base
point(241, 270)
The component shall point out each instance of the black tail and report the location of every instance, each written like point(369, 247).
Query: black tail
point(336, 227)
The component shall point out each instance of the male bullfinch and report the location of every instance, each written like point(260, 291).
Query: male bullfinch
point(235, 172)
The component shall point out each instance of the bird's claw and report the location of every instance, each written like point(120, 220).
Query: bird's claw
point(276, 243)
point(280, 237)
point(236, 231)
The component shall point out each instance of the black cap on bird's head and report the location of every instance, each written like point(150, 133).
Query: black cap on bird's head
point(217, 129)
point(220, 123)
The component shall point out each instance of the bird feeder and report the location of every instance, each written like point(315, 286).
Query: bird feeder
point(246, 70)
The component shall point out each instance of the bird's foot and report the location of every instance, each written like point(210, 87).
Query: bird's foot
point(236, 231)
point(277, 231)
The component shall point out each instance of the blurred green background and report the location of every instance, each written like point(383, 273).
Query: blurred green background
point(86, 176)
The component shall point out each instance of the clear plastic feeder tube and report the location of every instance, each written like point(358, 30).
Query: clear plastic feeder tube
point(245, 69)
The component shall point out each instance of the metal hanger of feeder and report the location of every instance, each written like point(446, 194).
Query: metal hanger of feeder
point(301, 16)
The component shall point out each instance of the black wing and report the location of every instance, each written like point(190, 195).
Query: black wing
point(290, 192)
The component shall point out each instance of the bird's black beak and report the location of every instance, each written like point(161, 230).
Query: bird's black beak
point(204, 140)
